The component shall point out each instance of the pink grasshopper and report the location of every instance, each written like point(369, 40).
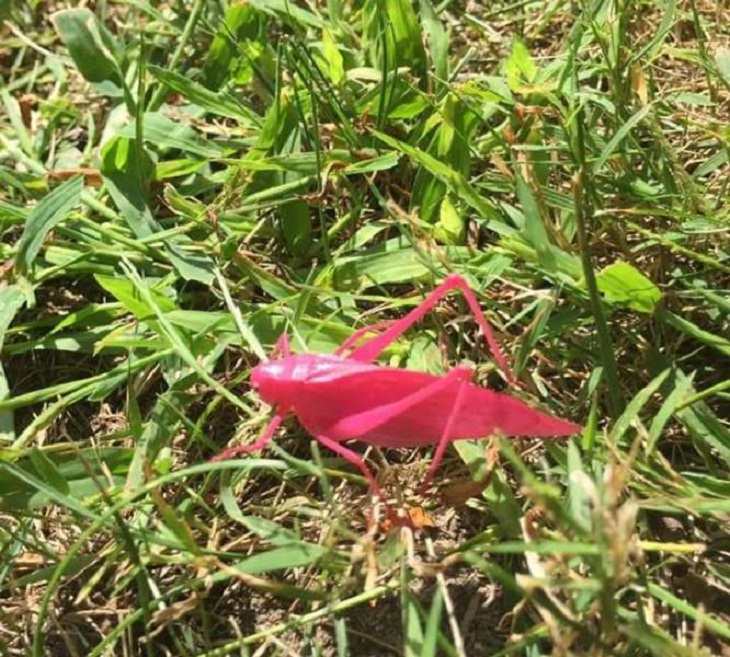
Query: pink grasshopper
point(338, 398)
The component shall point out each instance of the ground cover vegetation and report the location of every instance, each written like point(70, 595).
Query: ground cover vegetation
point(182, 181)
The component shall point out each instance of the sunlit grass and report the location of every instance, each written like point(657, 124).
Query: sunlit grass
point(183, 182)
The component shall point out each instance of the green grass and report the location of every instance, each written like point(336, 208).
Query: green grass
point(181, 182)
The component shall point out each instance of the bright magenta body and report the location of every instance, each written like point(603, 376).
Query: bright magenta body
point(339, 398)
point(342, 398)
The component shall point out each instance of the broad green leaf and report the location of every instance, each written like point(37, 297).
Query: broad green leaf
point(128, 171)
point(92, 315)
point(653, 48)
point(620, 135)
point(544, 309)
point(717, 342)
point(340, 623)
point(473, 453)
point(241, 23)
point(433, 622)
point(270, 531)
point(567, 265)
point(281, 136)
point(177, 169)
point(43, 574)
point(709, 622)
point(48, 471)
point(450, 130)
point(304, 163)
point(11, 214)
point(451, 226)
point(392, 38)
point(406, 31)
point(424, 355)
point(622, 283)
point(499, 497)
point(519, 68)
point(175, 523)
point(202, 321)
point(274, 286)
point(11, 300)
point(333, 57)
point(494, 571)
point(218, 103)
point(535, 231)
point(163, 133)
point(12, 110)
point(681, 391)
point(542, 547)
point(438, 40)
point(413, 628)
point(162, 423)
point(86, 341)
point(694, 99)
point(288, 12)
point(655, 641)
point(636, 404)
point(379, 163)
point(453, 179)
point(83, 387)
point(380, 268)
point(703, 426)
point(409, 106)
point(503, 505)
point(75, 472)
point(124, 291)
point(711, 164)
point(709, 484)
point(182, 346)
point(21, 483)
point(579, 498)
point(296, 227)
point(50, 211)
point(90, 45)
point(722, 61)
point(294, 555)
point(192, 265)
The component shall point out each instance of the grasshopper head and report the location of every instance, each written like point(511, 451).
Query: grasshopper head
point(279, 382)
point(269, 380)
point(276, 380)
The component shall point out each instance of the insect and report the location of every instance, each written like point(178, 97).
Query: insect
point(348, 396)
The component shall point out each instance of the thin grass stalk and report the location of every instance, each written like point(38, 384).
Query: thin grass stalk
point(584, 214)
point(159, 96)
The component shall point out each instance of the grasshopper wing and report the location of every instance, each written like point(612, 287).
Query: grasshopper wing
point(334, 406)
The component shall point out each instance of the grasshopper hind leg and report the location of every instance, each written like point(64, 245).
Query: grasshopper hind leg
point(355, 459)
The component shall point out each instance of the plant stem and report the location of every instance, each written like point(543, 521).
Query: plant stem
point(583, 215)
point(161, 91)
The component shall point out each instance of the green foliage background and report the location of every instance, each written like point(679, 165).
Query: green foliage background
point(183, 181)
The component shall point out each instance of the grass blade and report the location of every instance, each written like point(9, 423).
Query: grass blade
point(49, 212)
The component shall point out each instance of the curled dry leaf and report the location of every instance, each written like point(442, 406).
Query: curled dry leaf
point(92, 177)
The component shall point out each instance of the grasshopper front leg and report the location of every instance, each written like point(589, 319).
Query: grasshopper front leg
point(265, 438)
